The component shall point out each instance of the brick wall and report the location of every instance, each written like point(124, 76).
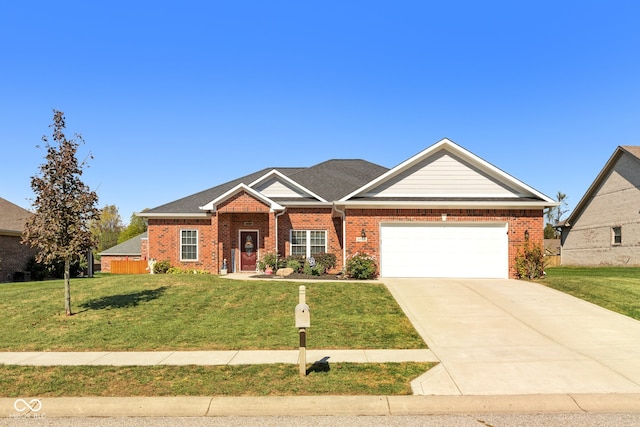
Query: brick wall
point(518, 222)
point(164, 242)
point(218, 235)
point(13, 257)
point(302, 219)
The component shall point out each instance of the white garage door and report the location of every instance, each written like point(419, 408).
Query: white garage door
point(444, 250)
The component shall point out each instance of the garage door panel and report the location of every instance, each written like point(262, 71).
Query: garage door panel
point(444, 250)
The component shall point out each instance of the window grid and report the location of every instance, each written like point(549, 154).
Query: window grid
point(308, 242)
point(298, 243)
point(189, 245)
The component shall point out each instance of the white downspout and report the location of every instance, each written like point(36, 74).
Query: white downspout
point(344, 236)
point(276, 218)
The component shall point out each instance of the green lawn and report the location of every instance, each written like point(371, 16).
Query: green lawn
point(197, 312)
point(186, 312)
point(614, 288)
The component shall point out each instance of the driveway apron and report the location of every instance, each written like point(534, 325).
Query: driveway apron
point(515, 337)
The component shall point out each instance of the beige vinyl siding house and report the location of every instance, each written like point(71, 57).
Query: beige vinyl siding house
point(604, 228)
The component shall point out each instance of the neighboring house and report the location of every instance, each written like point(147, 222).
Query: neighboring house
point(604, 228)
point(134, 249)
point(13, 254)
point(442, 213)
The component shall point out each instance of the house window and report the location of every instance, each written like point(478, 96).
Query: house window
point(188, 245)
point(616, 233)
point(308, 242)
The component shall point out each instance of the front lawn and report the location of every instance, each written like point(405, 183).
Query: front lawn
point(184, 312)
point(197, 312)
point(614, 288)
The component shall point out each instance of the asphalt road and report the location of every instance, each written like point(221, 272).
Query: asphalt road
point(480, 420)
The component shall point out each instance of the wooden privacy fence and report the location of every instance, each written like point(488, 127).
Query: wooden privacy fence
point(129, 267)
point(552, 260)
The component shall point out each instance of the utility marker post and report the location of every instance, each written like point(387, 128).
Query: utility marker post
point(303, 321)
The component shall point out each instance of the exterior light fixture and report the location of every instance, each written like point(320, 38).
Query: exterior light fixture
point(363, 234)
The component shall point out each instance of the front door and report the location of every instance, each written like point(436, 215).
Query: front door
point(248, 250)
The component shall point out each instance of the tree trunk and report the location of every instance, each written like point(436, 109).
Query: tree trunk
point(67, 287)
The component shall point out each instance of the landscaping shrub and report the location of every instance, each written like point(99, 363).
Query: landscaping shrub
point(312, 268)
point(161, 267)
point(270, 259)
point(178, 270)
point(530, 263)
point(294, 264)
point(328, 261)
point(361, 266)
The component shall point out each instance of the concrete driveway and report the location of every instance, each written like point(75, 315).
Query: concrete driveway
point(496, 337)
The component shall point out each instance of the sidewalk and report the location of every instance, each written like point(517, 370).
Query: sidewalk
point(211, 358)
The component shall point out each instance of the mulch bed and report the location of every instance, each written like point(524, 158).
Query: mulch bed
point(301, 276)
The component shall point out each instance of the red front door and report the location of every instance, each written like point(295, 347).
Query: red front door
point(248, 250)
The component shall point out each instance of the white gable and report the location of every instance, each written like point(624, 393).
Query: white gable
point(441, 175)
point(276, 184)
point(275, 187)
point(447, 171)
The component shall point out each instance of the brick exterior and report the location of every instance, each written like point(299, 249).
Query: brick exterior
point(13, 257)
point(518, 222)
point(306, 219)
point(164, 242)
point(218, 234)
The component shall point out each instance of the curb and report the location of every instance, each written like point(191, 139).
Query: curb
point(55, 407)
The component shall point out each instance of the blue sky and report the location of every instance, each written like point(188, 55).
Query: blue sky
point(176, 97)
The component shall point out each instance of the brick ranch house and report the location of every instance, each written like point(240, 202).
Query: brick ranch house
point(444, 212)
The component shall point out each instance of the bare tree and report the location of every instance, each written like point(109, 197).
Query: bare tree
point(64, 206)
point(555, 214)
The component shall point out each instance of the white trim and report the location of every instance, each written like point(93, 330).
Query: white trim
point(171, 215)
point(197, 245)
point(275, 172)
point(440, 204)
point(212, 205)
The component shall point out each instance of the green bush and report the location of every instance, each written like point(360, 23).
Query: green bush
point(361, 266)
point(55, 270)
point(328, 261)
point(161, 267)
point(530, 262)
point(270, 259)
point(178, 270)
point(294, 264)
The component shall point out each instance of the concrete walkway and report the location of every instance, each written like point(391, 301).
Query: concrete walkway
point(508, 337)
point(234, 357)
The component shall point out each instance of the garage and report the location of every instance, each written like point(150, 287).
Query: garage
point(477, 250)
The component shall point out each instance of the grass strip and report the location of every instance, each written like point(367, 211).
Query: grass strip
point(614, 288)
point(250, 380)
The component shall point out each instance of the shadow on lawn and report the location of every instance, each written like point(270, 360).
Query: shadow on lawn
point(124, 300)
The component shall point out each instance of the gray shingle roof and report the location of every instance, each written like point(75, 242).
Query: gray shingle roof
point(12, 217)
point(330, 180)
point(129, 247)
